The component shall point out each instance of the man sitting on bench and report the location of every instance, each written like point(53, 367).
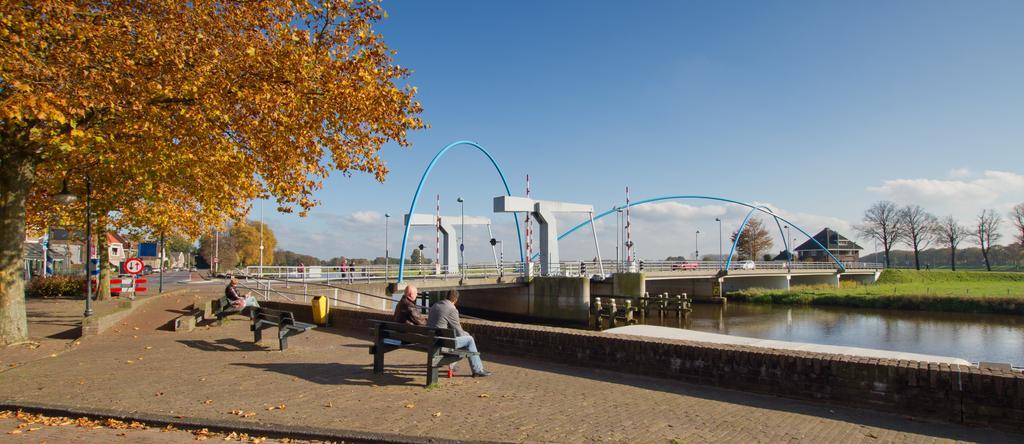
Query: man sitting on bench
point(406, 311)
point(237, 301)
point(443, 314)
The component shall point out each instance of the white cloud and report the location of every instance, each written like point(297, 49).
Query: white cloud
point(366, 217)
point(984, 190)
point(959, 173)
point(961, 198)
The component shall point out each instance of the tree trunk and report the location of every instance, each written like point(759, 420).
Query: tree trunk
point(917, 259)
point(887, 258)
point(952, 258)
point(16, 175)
point(988, 266)
point(103, 251)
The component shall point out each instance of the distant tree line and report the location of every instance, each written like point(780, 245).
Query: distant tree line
point(293, 259)
point(911, 225)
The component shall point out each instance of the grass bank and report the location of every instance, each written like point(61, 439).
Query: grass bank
point(934, 290)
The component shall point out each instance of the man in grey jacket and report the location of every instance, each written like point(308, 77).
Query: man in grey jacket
point(443, 314)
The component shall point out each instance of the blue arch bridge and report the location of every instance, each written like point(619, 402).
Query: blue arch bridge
point(541, 285)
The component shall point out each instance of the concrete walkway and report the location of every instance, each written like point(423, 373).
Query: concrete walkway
point(323, 381)
point(655, 331)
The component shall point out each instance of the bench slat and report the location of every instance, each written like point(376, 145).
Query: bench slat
point(421, 339)
point(406, 328)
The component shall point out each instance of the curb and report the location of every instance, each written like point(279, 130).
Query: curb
point(270, 430)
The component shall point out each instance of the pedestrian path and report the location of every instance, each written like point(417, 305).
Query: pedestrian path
point(324, 382)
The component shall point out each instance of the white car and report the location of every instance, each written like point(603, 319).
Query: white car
point(745, 265)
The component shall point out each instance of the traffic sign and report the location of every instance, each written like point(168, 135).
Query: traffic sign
point(134, 266)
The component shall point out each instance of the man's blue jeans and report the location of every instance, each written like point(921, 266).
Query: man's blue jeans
point(467, 342)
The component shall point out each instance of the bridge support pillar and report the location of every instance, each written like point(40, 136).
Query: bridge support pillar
point(737, 283)
point(564, 299)
point(629, 284)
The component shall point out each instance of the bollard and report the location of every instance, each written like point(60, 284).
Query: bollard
point(611, 311)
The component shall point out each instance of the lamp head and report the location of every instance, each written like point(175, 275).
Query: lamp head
point(387, 214)
point(459, 200)
point(65, 196)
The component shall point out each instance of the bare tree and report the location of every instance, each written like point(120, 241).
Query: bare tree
point(950, 233)
point(988, 233)
point(882, 222)
point(918, 229)
point(1017, 218)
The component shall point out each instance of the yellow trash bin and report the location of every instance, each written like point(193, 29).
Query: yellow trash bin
point(320, 310)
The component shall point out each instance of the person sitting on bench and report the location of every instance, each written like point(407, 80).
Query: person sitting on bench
point(237, 301)
point(443, 314)
point(406, 311)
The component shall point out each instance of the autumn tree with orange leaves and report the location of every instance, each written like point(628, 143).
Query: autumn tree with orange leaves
point(182, 112)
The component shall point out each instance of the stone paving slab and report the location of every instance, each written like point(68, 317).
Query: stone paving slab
point(324, 381)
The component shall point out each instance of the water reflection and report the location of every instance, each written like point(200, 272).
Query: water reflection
point(974, 337)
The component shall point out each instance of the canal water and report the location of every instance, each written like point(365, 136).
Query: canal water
point(974, 337)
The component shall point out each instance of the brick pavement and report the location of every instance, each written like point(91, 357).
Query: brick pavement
point(324, 380)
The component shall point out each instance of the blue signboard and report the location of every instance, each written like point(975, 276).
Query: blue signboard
point(147, 249)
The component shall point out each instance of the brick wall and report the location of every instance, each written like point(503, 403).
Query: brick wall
point(935, 391)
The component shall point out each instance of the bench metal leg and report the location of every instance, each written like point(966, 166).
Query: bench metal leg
point(282, 338)
point(431, 368)
point(257, 333)
point(378, 353)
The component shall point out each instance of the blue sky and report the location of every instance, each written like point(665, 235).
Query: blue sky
point(816, 108)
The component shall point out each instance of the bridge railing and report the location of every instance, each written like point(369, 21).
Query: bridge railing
point(414, 272)
point(380, 273)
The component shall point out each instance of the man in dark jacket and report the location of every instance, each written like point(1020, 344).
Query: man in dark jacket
point(443, 314)
point(406, 311)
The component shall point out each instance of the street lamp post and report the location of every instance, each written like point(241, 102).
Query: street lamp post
point(789, 247)
point(696, 246)
point(66, 197)
point(720, 258)
point(462, 240)
point(261, 239)
point(387, 252)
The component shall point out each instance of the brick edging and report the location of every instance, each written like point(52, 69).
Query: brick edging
point(225, 425)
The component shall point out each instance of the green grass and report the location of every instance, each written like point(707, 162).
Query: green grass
point(934, 290)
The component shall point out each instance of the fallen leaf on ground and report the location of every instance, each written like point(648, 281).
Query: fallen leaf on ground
point(159, 394)
point(129, 362)
point(484, 395)
point(208, 402)
point(437, 414)
point(149, 347)
point(409, 406)
point(329, 404)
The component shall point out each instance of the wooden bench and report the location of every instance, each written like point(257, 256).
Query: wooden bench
point(264, 318)
point(438, 343)
point(188, 321)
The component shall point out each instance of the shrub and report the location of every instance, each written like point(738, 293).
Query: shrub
point(55, 287)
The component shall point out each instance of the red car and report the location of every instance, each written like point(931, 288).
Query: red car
point(688, 265)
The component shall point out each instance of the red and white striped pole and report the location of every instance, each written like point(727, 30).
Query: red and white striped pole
point(629, 237)
point(437, 236)
point(529, 231)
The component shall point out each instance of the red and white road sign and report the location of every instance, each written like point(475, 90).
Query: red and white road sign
point(134, 266)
